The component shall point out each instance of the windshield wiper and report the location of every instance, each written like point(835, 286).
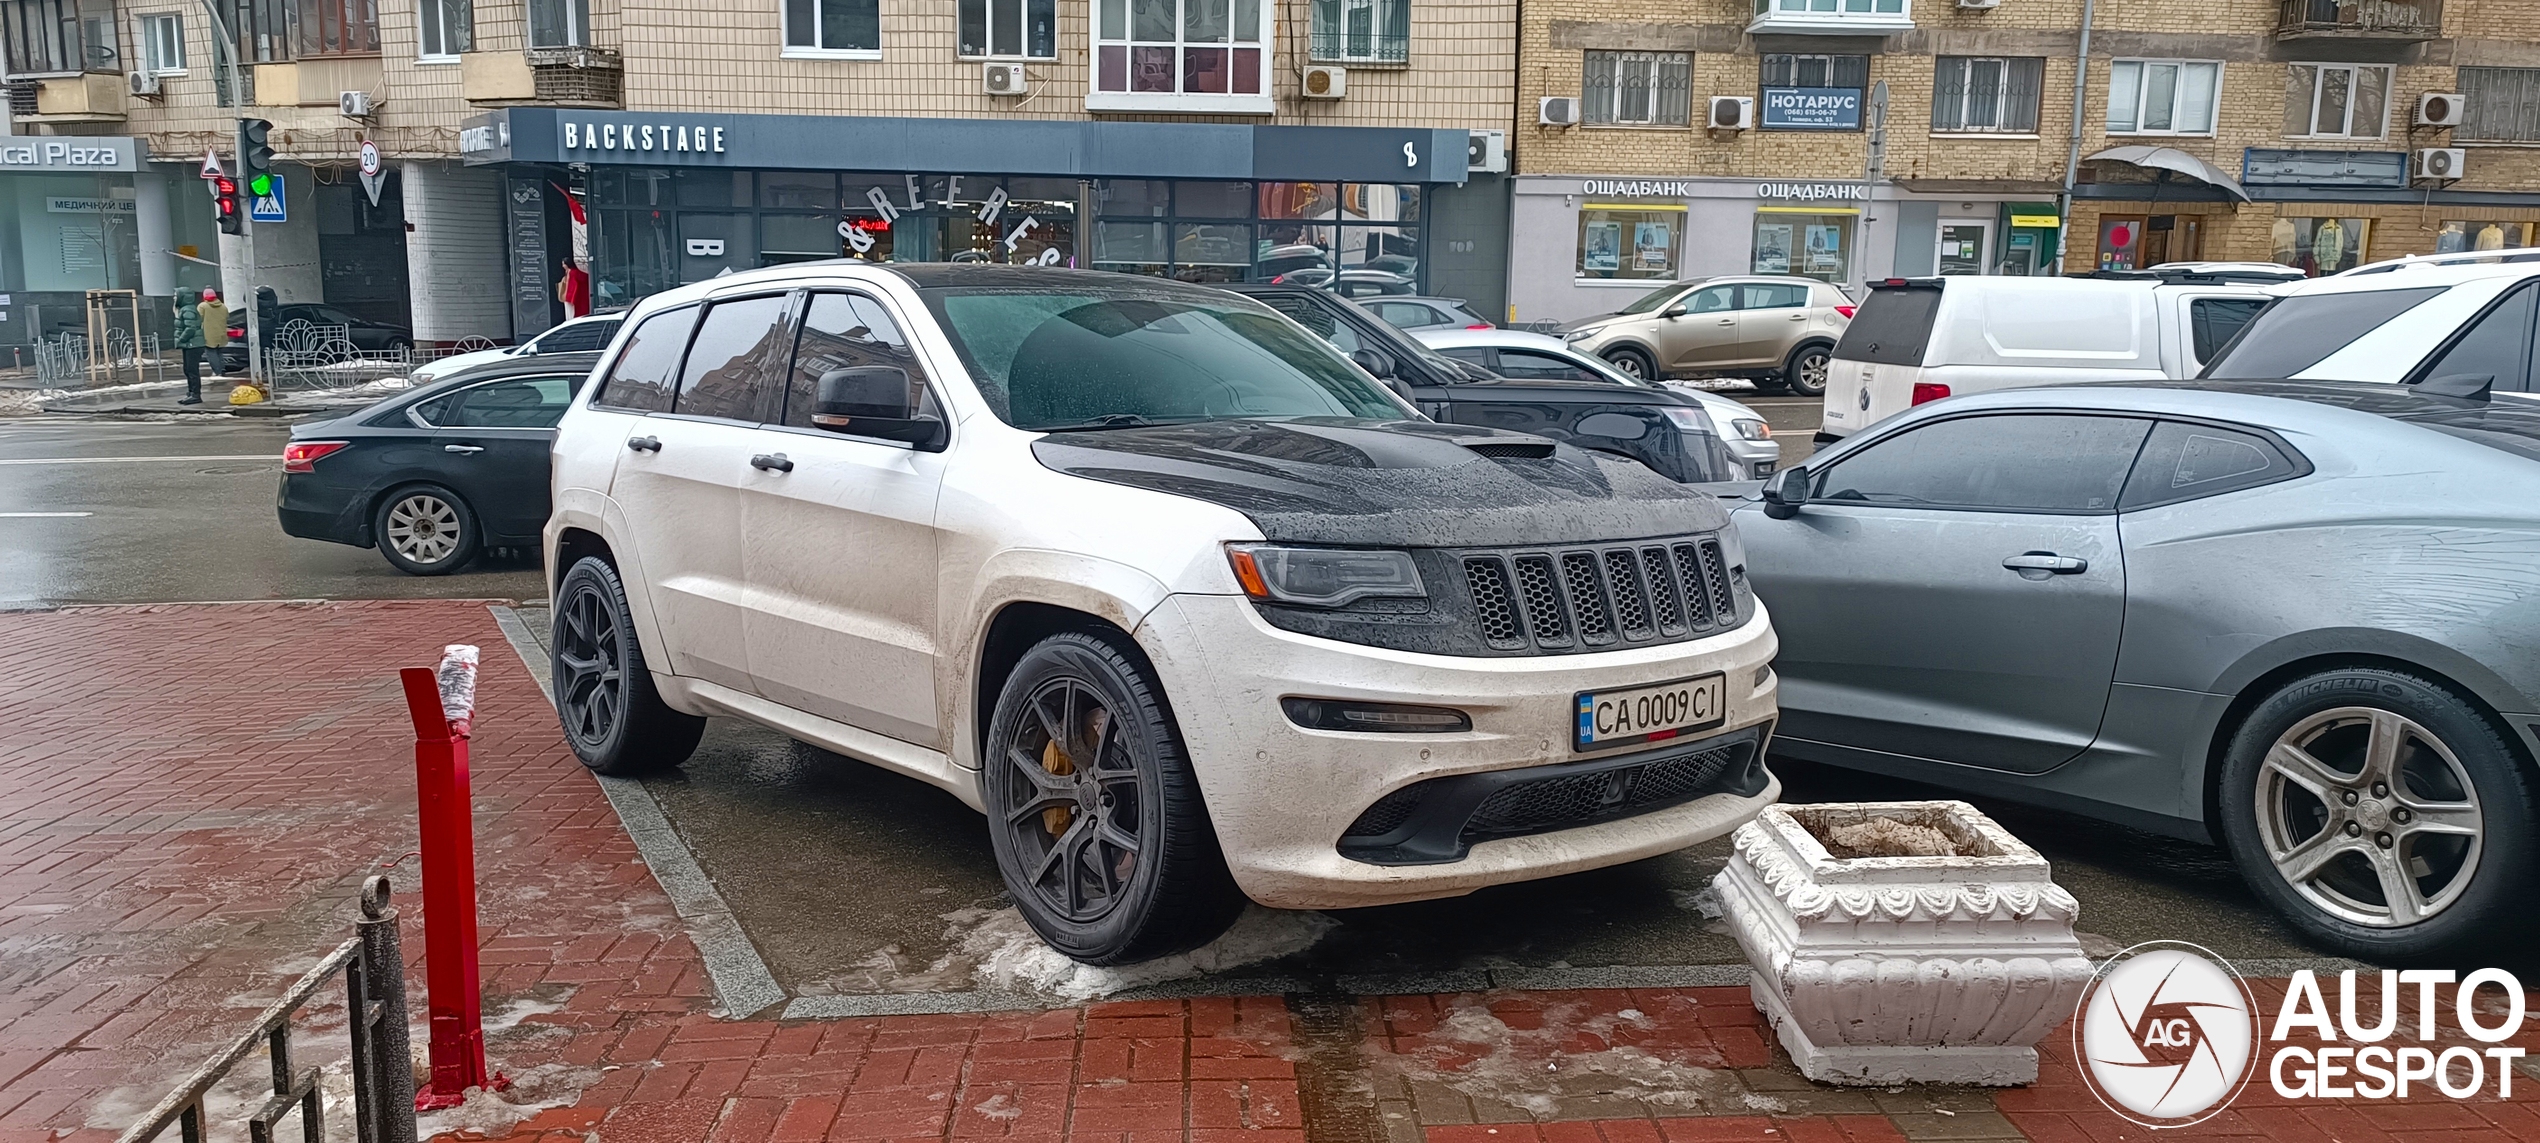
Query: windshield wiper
point(1105, 421)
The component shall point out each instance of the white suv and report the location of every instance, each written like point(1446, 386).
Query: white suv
point(2460, 324)
point(1191, 607)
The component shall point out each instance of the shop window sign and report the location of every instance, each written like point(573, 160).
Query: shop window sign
point(1811, 109)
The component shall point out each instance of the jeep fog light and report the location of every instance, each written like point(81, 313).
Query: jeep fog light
point(1376, 717)
point(1323, 577)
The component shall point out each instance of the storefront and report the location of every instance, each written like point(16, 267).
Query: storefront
point(1582, 246)
point(682, 198)
point(77, 211)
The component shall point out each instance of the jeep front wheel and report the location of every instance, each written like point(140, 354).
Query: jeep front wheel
point(1094, 813)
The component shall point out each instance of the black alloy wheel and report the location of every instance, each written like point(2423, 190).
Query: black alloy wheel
point(1805, 372)
point(613, 716)
point(2384, 815)
point(1094, 813)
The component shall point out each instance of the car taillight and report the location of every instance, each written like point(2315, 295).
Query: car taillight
point(1846, 310)
point(302, 456)
point(1481, 325)
point(1926, 391)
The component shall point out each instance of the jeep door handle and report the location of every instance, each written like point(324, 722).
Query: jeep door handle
point(2047, 562)
point(771, 462)
point(468, 450)
point(644, 444)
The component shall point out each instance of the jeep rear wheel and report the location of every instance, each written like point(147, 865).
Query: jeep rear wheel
point(1093, 811)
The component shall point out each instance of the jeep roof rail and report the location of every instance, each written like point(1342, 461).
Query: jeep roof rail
point(2212, 277)
point(2460, 257)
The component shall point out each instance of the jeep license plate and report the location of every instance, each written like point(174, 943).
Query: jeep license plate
point(1653, 713)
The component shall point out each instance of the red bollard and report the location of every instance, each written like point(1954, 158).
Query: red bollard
point(442, 717)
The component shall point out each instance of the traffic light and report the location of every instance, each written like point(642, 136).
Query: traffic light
point(225, 205)
point(255, 155)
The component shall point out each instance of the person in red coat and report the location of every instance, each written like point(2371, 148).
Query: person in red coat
point(575, 289)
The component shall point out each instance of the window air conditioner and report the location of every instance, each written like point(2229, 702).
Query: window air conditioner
point(1558, 111)
point(144, 83)
point(1732, 113)
point(2439, 109)
point(2441, 162)
point(353, 104)
point(1006, 79)
point(1326, 82)
point(1487, 152)
point(1979, 3)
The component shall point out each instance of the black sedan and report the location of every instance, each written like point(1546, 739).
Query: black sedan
point(433, 476)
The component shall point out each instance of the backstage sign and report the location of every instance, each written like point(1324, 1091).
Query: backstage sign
point(2169, 1036)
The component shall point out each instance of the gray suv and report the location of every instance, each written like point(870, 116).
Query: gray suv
point(1780, 331)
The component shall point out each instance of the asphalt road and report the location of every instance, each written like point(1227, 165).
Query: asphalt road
point(113, 510)
point(851, 881)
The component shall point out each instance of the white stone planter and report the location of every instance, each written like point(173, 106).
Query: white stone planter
point(1883, 970)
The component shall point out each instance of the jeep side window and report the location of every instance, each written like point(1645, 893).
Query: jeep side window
point(2213, 322)
point(640, 380)
point(847, 331)
point(2498, 346)
point(733, 365)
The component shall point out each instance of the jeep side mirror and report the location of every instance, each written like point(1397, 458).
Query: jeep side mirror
point(1378, 365)
point(1785, 491)
point(873, 401)
point(1613, 426)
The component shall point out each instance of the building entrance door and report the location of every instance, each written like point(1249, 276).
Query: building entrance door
point(1964, 245)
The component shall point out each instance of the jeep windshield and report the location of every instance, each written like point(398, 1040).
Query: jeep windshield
point(1077, 359)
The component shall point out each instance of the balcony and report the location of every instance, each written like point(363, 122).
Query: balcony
point(1831, 17)
point(90, 98)
point(2396, 21)
point(543, 77)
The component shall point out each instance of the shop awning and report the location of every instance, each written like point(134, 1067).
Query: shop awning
point(2173, 159)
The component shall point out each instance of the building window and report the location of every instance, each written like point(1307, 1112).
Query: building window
point(2162, 97)
point(1808, 244)
point(1807, 15)
point(559, 23)
point(1631, 242)
point(1986, 95)
point(1360, 239)
point(2502, 105)
point(2319, 246)
point(2460, 235)
point(1189, 55)
point(449, 28)
point(163, 44)
point(1812, 92)
point(338, 28)
point(2335, 100)
point(1362, 31)
point(1650, 89)
point(1009, 29)
point(60, 37)
point(847, 29)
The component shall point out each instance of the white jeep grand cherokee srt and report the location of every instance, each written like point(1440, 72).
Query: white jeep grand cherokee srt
point(1190, 606)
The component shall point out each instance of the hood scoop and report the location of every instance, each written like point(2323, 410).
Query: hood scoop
point(1513, 450)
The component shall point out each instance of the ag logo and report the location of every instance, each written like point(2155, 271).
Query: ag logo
point(2167, 1034)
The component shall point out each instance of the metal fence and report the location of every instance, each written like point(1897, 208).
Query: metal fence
point(382, 1063)
point(65, 361)
point(305, 355)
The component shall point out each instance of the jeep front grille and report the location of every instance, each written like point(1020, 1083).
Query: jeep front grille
point(1588, 598)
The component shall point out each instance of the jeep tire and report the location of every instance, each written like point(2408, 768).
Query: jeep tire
point(613, 716)
point(1093, 811)
point(2352, 790)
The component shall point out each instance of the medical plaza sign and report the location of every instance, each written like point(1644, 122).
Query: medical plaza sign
point(1811, 109)
point(82, 154)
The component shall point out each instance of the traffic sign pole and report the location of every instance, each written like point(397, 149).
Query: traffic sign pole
point(255, 331)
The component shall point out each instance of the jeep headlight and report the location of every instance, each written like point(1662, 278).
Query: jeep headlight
point(1323, 577)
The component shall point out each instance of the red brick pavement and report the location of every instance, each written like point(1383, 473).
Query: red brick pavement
point(188, 795)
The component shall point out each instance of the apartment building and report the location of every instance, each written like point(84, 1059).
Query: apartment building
point(1666, 140)
point(655, 143)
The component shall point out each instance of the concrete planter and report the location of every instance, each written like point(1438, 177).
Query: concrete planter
point(1892, 969)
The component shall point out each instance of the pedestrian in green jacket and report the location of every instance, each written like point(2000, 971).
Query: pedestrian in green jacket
point(189, 341)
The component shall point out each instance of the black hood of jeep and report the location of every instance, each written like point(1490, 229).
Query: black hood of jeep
point(1410, 484)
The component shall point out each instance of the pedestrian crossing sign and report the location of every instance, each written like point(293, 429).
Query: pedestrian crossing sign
point(268, 207)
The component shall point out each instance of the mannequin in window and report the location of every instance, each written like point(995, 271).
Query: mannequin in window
point(2491, 237)
point(2328, 246)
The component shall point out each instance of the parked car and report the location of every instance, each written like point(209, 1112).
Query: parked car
point(1922, 339)
point(1419, 313)
point(1350, 283)
point(1667, 431)
point(2295, 617)
point(434, 476)
point(2452, 319)
point(1522, 356)
point(1192, 608)
point(579, 335)
point(1776, 330)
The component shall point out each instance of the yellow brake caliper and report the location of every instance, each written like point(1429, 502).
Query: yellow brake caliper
point(1056, 819)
